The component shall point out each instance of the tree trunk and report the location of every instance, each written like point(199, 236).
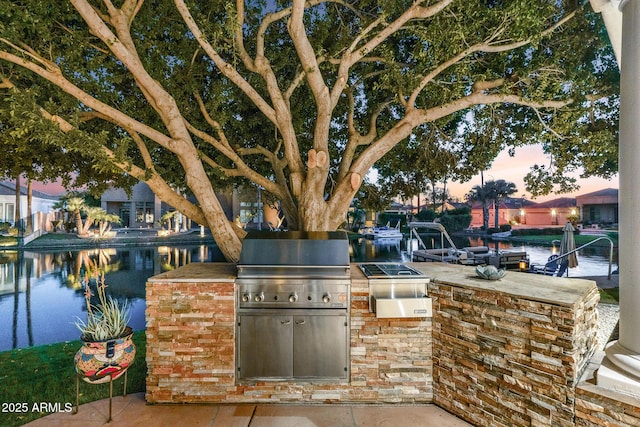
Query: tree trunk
point(222, 229)
point(485, 215)
point(444, 192)
point(29, 207)
point(87, 225)
point(79, 228)
point(495, 211)
point(17, 214)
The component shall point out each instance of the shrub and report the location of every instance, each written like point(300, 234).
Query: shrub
point(455, 223)
point(391, 218)
point(465, 210)
point(505, 227)
point(426, 215)
point(4, 227)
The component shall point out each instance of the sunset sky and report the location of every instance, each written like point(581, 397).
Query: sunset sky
point(512, 169)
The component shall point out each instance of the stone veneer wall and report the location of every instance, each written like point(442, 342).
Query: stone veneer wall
point(596, 406)
point(502, 360)
point(190, 352)
point(490, 357)
point(190, 341)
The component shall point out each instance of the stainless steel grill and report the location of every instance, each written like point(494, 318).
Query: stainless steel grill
point(292, 300)
point(294, 270)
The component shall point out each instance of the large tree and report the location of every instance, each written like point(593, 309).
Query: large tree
point(299, 97)
point(499, 191)
point(480, 193)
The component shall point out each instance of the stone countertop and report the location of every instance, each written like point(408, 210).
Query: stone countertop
point(537, 287)
point(220, 272)
point(556, 290)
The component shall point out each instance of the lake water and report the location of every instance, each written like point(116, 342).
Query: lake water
point(41, 293)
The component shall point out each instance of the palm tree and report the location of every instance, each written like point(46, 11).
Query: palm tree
point(480, 194)
point(75, 205)
point(105, 221)
point(498, 191)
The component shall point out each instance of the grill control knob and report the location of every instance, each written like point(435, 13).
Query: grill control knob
point(293, 297)
point(259, 297)
point(246, 298)
point(326, 298)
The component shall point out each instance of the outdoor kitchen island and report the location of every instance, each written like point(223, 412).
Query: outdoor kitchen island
point(507, 352)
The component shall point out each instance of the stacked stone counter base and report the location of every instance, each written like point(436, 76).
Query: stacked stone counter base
point(190, 353)
point(507, 353)
point(507, 358)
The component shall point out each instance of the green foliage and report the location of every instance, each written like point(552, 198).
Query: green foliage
point(4, 227)
point(455, 223)
point(464, 210)
point(106, 320)
point(434, 101)
point(573, 219)
point(392, 219)
point(34, 147)
point(491, 191)
point(609, 295)
point(371, 197)
point(426, 215)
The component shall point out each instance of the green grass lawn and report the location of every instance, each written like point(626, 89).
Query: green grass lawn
point(580, 239)
point(45, 374)
point(610, 296)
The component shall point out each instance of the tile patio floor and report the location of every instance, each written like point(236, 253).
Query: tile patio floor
point(133, 411)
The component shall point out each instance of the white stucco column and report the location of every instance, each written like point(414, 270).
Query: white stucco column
point(621, 368)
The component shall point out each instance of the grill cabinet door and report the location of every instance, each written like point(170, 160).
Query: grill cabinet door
point(265, 343)
point(320, 346)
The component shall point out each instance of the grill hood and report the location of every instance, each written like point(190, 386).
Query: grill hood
point(295, 248)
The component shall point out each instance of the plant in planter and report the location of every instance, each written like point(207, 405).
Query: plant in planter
point(107, 350)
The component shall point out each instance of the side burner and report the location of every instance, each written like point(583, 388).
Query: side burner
point(397, 290)
point(386, 270)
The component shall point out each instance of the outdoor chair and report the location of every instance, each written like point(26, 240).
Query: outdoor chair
point(562, 268)
point(548, 269)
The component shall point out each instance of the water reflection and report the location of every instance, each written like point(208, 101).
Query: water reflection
point(41, 293)
point(593, 260)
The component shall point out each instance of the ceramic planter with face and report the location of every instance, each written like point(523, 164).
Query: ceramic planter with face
point(98, 362)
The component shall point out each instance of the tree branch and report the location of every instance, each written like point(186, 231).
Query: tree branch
point(279, 114)
point(225, 68)
point(545, 125)
point(118, 117)
point(488, 46)
point(494, 47)
point(239, 36)
point(155, 182)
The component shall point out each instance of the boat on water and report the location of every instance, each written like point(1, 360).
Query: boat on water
point(500, 235)
point(383, 232)
point(472, 255)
